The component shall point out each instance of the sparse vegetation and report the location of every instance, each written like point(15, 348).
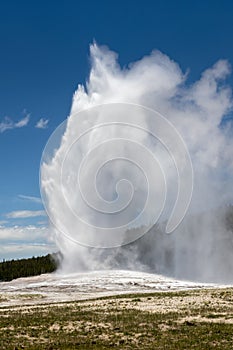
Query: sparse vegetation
point(176, 320)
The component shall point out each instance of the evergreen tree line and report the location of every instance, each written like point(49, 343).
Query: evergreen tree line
point(34, 266)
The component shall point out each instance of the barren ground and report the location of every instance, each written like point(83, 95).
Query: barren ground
point(117, 309)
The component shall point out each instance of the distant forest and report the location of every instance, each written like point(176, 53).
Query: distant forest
point(34, 266)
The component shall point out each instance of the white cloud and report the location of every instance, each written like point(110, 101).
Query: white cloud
point(42, 222)
point(30, 198)
point(24, 234)
point(8, 124)
point(21, 242)
point(23, 122)
point(22, 214)
point(42, 123)
point(20, 251)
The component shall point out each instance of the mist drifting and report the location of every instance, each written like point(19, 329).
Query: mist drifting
point(200, 248)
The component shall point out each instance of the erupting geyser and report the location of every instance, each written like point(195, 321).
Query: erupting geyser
point(117, 176)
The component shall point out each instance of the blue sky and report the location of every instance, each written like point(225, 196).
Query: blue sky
point(44, 55)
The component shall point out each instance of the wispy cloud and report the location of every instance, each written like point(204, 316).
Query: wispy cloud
point(3, 222)
point(23, 122)
point(30, 198)
point(25, 234)
point(19, 242)
point(8, 124)
point(20, 250)
point(42, 123)
point(22, 214)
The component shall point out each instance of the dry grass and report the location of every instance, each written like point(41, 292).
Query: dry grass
point(167, 320)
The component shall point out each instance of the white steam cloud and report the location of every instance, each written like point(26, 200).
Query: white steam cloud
point(201, 247)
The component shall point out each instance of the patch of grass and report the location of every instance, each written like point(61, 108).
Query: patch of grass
point(31, 296)
point(2, 298)
point(120, 322)
point(136, 300)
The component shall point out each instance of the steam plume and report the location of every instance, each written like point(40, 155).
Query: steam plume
point(201, 246)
